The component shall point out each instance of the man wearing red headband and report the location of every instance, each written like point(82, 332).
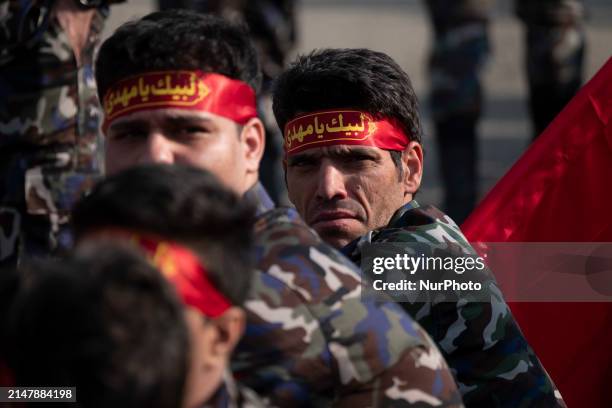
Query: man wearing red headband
point(354, 163)
point(212, 285)
point(104, 321)
point(179, 87)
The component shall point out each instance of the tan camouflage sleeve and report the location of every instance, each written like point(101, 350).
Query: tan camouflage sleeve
point(420, 378)
point(313, 340)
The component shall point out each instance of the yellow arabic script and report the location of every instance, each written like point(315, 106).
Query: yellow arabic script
point(331, 126)
point(149, 86)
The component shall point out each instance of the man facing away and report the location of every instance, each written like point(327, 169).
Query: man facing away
point(354, 162)
point(194, 233)
point(179, 87)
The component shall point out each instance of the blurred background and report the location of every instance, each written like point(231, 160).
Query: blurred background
point(402, 30)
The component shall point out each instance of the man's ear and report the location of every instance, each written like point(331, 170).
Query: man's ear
point(412, 163)
point(253, 138)
point(230, 326)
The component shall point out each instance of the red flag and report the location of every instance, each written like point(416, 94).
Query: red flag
point(560, 190)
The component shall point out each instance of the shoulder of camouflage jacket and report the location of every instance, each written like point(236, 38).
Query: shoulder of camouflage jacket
point(482, 343)
point(312, 339)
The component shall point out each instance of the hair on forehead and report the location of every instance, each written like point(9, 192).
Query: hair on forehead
point(359, 79)
point(178, 39)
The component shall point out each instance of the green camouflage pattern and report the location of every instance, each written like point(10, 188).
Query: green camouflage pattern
point(491, 360)
point(312, 340)
point(51, 146)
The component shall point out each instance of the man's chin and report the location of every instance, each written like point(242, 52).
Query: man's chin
point(336, 237)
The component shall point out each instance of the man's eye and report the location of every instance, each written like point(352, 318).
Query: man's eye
point(189, 130)
point(189, 134)
point(357, 158)
point(196, 129)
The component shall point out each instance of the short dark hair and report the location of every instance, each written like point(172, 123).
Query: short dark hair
point(178, 39)
point(105, 321)
point(347, 78)
point(180, 203)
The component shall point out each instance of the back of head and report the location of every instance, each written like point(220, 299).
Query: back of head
point(359, 79)
point(106, 322)
point(182, 204)
point(177, 40)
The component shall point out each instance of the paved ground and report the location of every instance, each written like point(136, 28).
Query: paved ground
point(400, 29)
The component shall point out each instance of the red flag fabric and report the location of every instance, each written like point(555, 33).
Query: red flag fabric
point(560, 190)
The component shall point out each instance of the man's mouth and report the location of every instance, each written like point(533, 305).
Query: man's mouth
point(332, 217)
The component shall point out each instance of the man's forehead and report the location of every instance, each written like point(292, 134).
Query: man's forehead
point(149, 115)
point(338, 150)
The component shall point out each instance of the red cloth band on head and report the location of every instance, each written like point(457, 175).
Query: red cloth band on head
point(189, 90)
point(342, 127)
point(183, 269)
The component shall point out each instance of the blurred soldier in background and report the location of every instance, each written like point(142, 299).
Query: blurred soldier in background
point(555, 43)
point(49, 118)
point(272, 26)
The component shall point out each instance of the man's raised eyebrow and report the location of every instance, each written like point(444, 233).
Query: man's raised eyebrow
point(353, 151)
point(301, 156)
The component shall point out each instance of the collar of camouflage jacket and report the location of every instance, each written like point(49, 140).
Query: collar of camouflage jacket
point(258, 196)
point(396, 221)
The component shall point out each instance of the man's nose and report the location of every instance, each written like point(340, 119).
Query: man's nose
point(158, 149)
point(331, 184)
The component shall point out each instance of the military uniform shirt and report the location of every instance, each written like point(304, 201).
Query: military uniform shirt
point(492, 362)
point(311, 339)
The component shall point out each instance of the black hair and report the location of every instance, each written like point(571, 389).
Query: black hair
point(178, 39)
point(182, 204)
point(360, 79)
point(104, 321)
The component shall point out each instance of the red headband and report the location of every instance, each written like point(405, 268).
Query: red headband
point(190, 90)
point(342, 127)
point(182, 268)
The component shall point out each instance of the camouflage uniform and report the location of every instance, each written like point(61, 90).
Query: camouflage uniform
point(273, 28)
point(311, 339)
point(482, 343)
point(555, 42)
point(49, 118)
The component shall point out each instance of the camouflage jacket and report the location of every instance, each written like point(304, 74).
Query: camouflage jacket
point(482, 343)
point(50, 143)
point(311, 339)
point(45, 99)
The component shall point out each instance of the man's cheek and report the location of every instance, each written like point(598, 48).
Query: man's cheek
point(292, 192)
